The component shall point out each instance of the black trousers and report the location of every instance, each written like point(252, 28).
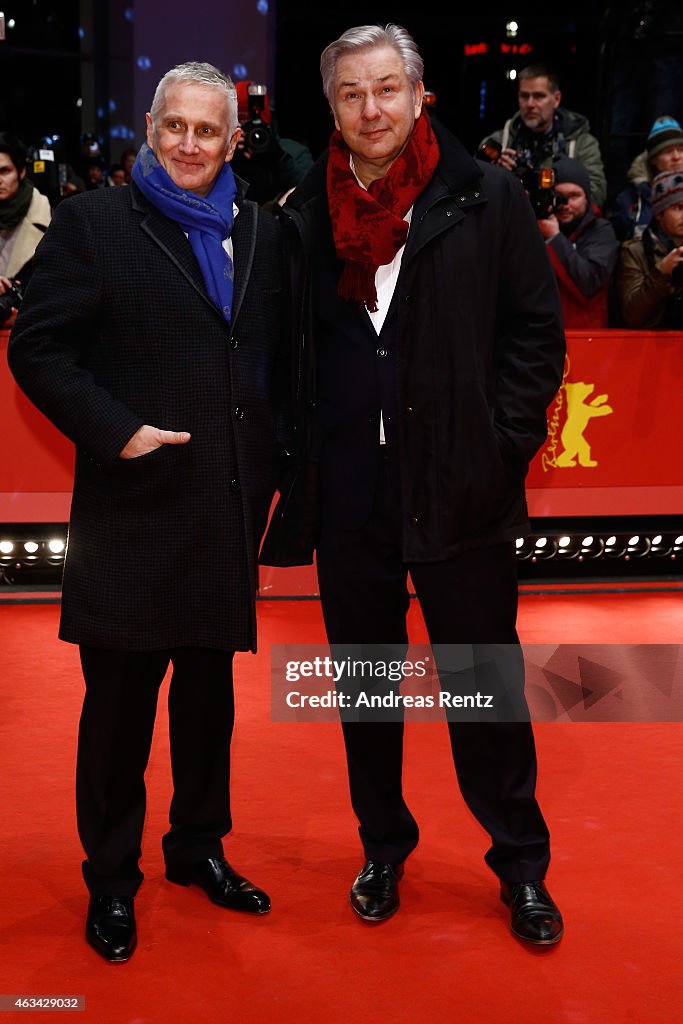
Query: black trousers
point(470, 599)
point(114, 741)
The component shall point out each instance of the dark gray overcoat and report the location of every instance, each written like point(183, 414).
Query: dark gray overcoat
point(117, 330)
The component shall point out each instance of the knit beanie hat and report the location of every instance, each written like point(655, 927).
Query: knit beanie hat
point(665, 132)
point(667, 189)
point(573, 172)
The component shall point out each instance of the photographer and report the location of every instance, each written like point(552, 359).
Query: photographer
point(272, 166)
point(24, 216)
point(583, 247)
point(651, 269)
point(542, 130)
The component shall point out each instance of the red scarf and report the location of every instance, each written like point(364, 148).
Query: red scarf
point(368, 226)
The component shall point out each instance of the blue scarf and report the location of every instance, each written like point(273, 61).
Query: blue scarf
point(206, 220)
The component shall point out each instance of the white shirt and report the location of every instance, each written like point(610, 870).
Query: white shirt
point(385, 283)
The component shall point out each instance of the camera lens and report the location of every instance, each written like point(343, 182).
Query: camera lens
point(258, 139)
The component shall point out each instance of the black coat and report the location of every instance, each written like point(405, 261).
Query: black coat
point(480, 354)
point(117, 330)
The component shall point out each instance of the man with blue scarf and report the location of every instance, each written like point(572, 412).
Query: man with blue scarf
point(150, 336)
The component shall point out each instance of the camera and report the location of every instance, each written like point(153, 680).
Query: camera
point(538, 182)
point(10, 299)
point(257, 135)
point(677, 275)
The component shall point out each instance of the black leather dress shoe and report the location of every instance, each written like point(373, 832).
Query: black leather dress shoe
point(374, 894)
point(535, 916)
point(110, 927)
point(221, 884)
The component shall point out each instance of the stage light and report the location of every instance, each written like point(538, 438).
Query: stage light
point(511, 29)
point(6, 547)
point(659, 547)
point(568, 547)
point(591, 547)
point(525, 547)
point(615, 547)
point(31, 547)
point(638, 546)
point(544, 547)
point(511, 73)
point(56, 546)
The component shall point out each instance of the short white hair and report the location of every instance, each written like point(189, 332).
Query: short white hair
point(195, 72)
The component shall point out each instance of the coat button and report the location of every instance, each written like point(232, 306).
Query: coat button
point(233, 343)
point(239, 412)
point(410, 410)
point(414, 520)
point(234, 485)
point(382, 353)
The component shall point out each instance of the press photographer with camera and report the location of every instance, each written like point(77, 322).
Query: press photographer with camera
point(650, 282)
point(24, 216)
point(271, 165)
point(582, 246)
point(543, 130)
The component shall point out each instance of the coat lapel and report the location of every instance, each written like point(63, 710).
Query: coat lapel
point(172, 241)
point(243, 248)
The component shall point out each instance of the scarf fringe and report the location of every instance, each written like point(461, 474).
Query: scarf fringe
point(357, 283)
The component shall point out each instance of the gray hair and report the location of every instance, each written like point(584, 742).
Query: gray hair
point(540, 71)
point(195, 72)
point(367, 37)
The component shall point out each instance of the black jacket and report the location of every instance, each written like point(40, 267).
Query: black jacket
point(480, 354)
point(117, 330)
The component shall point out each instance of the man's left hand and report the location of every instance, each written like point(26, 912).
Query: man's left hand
point(549, 227)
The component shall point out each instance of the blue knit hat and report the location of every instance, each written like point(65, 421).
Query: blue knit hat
point(665, 132)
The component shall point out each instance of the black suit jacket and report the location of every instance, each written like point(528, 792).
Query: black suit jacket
point(117, 330)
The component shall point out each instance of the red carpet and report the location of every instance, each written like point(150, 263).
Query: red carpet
point(611, 794)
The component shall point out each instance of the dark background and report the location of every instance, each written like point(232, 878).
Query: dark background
point(566, 42)
point(72, 66)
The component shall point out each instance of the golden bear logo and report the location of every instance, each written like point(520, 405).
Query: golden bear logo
point(579, 413)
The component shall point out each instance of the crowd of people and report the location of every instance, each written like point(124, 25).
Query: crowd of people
point(616, 260)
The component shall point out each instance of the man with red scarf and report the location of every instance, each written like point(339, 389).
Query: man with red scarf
point(582, 246)
point(428, 346)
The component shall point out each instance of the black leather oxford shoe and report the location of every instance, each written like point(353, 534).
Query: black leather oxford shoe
point(535, 916)
point(374, 894)
point(221, 884)
point(110, 927)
